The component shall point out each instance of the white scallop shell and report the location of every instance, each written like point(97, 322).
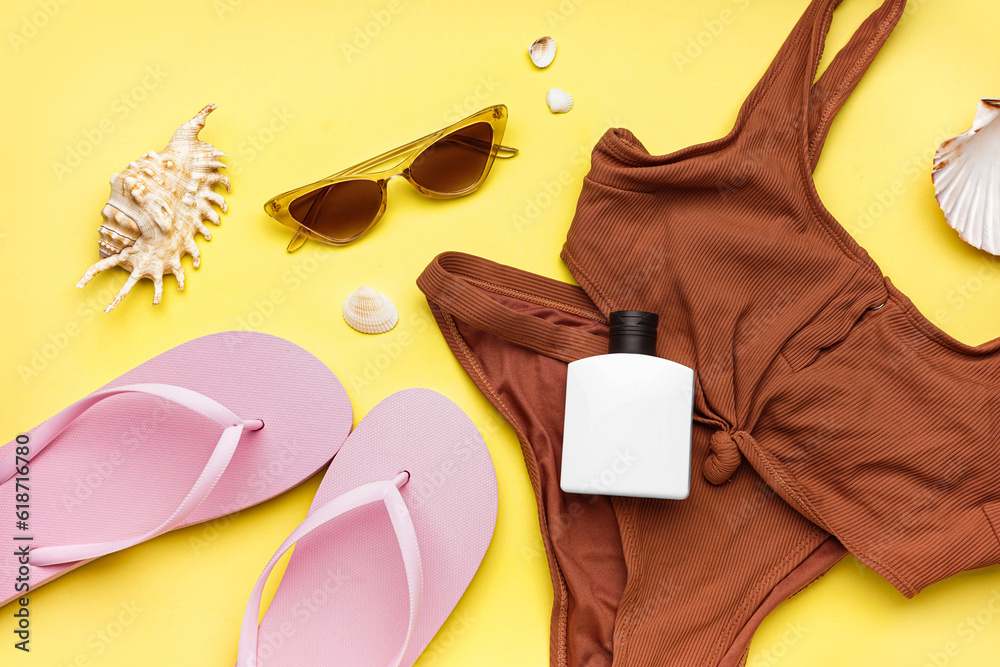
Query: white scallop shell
point(967, 179)
point(157, 206)
point(559, 100)
point(369, 312)
point(542, 51)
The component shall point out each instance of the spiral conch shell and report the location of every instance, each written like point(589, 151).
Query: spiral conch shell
point(156, 207)
point(369, 312)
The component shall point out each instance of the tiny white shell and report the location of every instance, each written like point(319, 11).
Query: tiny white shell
point(542, 51)
point(559, 100)
point(369, 312)
point(967, 179)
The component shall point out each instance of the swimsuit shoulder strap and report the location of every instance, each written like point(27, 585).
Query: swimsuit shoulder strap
point(788, 102)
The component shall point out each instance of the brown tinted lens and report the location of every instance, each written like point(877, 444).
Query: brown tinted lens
point(454, 162)
point(340, 211)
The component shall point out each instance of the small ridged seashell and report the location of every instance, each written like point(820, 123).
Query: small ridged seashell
point(559, 100)
point(967, 179)
point(542, 51)
point(369, 312)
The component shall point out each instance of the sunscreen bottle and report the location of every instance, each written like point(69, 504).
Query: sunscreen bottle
point(627, 430)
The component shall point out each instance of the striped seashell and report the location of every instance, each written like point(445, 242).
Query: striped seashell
point(369, 312)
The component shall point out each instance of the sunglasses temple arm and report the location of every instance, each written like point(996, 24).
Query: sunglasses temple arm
point(385, 157)
point(300, 237)
point(297, 241)
point(503, 152)
point(506, 152)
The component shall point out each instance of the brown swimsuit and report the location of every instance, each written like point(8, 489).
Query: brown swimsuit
point(863, 424)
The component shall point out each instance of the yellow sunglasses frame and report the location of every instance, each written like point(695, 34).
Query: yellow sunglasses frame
point(277, 207)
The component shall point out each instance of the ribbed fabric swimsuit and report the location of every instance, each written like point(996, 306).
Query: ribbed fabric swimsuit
point(830, 415)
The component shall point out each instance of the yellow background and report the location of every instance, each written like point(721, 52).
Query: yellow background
point(303, 91)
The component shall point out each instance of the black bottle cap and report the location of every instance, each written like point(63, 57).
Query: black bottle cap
point(633, 332)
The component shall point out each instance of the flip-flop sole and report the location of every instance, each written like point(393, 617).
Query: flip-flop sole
point(126, 464)
point(343, 599)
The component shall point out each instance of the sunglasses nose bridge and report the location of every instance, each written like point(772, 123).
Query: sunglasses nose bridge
point(406, 176)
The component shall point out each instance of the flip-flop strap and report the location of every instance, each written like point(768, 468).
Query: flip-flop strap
point(402, 523)
point(233, 428)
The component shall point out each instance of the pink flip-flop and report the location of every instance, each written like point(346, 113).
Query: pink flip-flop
point(145, 454)
point(397, 530)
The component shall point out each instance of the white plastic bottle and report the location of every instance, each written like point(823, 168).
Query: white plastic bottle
point(627, 430)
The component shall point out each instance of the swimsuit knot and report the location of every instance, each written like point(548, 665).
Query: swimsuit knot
point(725, 457)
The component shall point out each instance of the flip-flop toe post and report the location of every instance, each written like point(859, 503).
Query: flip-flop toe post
point(205, 429)
point(397, 530)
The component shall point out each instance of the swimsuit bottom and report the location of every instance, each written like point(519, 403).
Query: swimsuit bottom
point(660, 582)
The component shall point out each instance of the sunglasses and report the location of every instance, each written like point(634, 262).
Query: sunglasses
point(342, 208)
